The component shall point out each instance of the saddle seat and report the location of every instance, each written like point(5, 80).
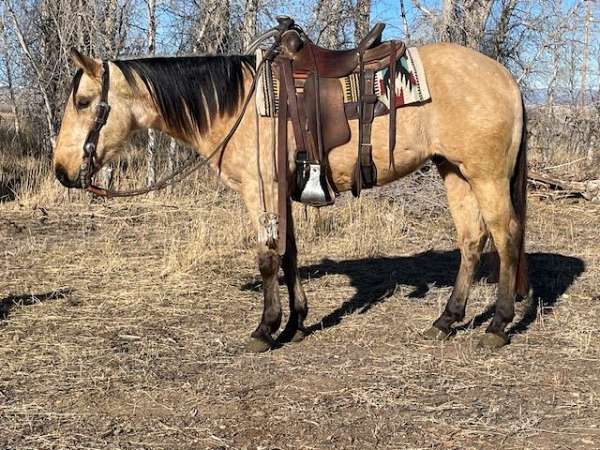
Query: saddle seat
point(309, 57)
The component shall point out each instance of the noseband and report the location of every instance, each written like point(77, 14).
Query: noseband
point(91, 141)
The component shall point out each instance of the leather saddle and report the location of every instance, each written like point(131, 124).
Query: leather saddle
point(312, 97)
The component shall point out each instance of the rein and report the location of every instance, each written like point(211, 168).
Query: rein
point(102, 112)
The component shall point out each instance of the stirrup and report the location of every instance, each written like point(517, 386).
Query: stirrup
point(312, 187)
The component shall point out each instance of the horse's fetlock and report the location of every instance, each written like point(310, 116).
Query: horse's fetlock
point(273, 319)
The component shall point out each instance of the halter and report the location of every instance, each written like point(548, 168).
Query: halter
point(91, 141)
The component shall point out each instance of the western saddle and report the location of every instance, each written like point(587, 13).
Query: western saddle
point(311, 96)
point(312, 99)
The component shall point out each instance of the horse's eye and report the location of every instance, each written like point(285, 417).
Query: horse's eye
point(83, 103)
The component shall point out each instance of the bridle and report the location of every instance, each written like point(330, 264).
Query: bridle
point(86, 172)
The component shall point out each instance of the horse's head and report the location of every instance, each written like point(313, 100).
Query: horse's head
point(127, 113)
point(184, 97)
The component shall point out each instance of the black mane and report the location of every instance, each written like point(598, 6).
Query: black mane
point(190, 91)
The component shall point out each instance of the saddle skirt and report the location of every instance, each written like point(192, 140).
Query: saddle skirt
point(411, 85)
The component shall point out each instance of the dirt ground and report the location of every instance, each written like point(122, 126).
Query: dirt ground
point(122, 326)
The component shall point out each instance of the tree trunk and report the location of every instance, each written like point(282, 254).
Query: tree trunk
point(362, 19)
point(9, 79)
point(476, 14)
point(172, 159)
point(212, 29)
point(250, 26)
point(40, 81)
point(463, 21)
point(586, 52)
point(499, 51)
point(330, 24)
point(404, 21)
point(13, 99)
point(151, 146)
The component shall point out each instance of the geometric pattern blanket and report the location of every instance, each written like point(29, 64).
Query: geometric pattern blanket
point(411, 84)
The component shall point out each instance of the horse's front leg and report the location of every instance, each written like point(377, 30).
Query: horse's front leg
point(294, 331)
point(261, 339)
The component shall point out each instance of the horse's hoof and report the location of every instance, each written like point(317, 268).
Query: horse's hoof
point(435, 334)
point(291, 335)
point(491, 341)
point(299, 335)
point(255, 345)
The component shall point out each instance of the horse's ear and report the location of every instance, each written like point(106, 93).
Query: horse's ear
point(90, 66)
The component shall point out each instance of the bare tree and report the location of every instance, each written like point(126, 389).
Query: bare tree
point(404, 21)
point(39, 75)
point(329, 14)
point(362, 19)
point(249, 29)
point(464, 21)
point(501, 36)
point(212, 27)
point(583, 92)
point(4, 44)
point(152, 134)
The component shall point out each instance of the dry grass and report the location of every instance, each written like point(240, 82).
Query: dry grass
point(122, 325)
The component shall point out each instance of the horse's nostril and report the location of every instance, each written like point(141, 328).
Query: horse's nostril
point(63, 177)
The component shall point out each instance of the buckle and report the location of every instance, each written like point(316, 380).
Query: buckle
point(89, 148)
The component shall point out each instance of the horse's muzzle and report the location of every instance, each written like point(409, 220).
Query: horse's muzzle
point(63, 177)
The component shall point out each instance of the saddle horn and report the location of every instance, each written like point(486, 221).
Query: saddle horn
point(273, 32)
point(285, 23)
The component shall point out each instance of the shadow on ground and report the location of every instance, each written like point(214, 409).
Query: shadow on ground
point(376, 279)
point(7, 304)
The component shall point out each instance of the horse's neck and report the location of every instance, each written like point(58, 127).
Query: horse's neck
point(223, 160)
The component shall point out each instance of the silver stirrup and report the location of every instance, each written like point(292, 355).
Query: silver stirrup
point(315, 192)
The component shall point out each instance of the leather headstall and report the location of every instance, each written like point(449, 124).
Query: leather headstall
point(86, 171)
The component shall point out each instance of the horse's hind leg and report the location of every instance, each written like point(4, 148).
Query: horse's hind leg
point(506, 230)
point(294, 330)
point(471, 234)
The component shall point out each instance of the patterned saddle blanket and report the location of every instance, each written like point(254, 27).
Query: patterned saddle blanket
point(411, 85)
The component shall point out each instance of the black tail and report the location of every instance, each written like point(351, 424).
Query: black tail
point(518, 193)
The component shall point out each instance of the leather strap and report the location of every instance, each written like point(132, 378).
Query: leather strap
point(392, 117)
point(292, 101)
point(365, 172)
point(319, 136)
point(91, 140)
point(282, 159)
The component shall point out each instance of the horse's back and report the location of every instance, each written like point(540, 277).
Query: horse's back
point(456, 73)
point(475, 116)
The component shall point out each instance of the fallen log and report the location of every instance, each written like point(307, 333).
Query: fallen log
point(589, 190)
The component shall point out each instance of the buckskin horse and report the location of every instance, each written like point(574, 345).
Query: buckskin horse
point(472, 128)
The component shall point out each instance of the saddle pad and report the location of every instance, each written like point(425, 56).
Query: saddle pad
point(411, 84)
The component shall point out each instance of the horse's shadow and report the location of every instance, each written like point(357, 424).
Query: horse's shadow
point(7, 304)
point(376, 279)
